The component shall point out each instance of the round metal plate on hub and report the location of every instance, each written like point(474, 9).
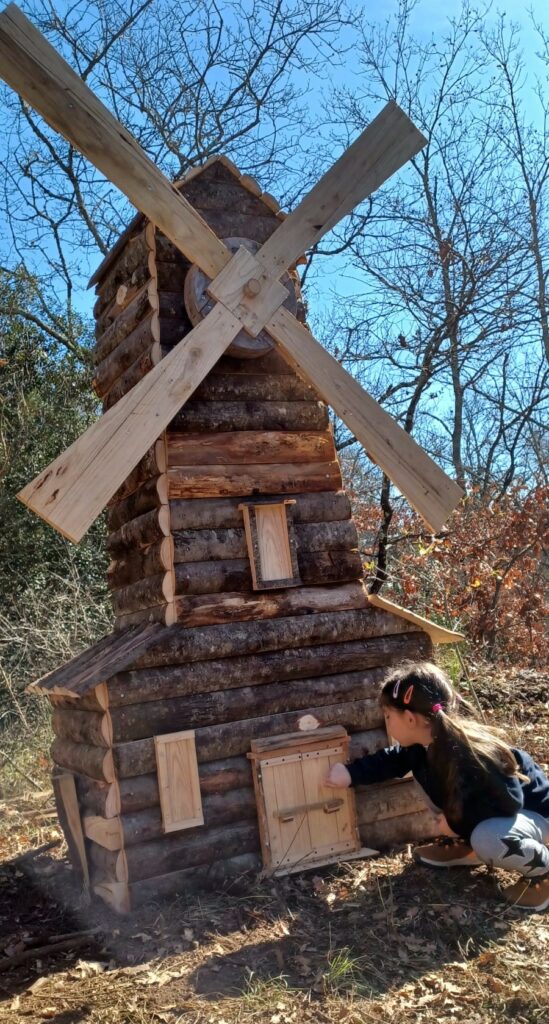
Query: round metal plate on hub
point(198, 304)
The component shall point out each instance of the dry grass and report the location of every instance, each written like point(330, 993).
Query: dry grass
point(380, 941)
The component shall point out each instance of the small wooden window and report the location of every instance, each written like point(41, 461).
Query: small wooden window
point(271, 544)
point(178, 781)
point(301, 822)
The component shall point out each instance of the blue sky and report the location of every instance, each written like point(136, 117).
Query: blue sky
point(430, 17)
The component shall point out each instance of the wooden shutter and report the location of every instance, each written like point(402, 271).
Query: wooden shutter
point(271, 544)
point(178, 781)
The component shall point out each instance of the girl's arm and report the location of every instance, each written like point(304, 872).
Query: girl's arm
point(391, 763)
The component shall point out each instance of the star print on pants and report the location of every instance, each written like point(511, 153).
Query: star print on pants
point(538, 861)
point(514, 847)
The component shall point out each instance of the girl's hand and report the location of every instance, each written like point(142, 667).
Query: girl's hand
point(338, 777)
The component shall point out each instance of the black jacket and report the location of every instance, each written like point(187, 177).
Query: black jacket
point(489, 794)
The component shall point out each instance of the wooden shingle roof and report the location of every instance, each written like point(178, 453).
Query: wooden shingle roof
point(113, 653)
point(247, 182)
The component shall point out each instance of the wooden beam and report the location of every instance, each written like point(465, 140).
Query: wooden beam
point(431, 492)
point(250, 446)
point(72, 491)
point(66, 800)
point(438, 634)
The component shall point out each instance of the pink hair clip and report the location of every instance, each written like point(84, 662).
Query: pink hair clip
point(436, 708)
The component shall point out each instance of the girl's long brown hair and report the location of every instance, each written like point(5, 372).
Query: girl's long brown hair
point(458, 742)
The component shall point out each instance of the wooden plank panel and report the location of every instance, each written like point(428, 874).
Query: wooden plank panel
point(274, 547)
point(330, 832)
point(289, 841)
point(72, 491)
point(178, 781)
point(431, 492)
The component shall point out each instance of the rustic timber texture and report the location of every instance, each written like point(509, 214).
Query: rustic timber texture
point(236, 666)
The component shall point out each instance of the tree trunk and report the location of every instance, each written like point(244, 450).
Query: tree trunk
point(127, 380)
point(214, 742)
point(136, 252)
point(317, 567)
point(160, 856)
point(151, 494)
point(236, 806)
point(143, 305)
point(254, 387)
point(153, 684)
point(183, 646)
point(84, 759)
point(150, 528)
point(198, 416)
point(153, 464)
point(90, 727)
point(137, 721)
point(137, 793)
point(189, 879)
point(234, 607)
point(138, 564)
point(146, 593)
point(224, 513)
point(210, 545)
point(258, 447)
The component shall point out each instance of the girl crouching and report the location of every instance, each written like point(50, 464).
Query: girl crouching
point(494, 798)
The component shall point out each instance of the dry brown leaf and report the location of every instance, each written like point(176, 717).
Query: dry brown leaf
point(487, 957)
point(35, 986)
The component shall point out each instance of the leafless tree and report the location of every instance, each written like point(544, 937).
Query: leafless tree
point(189, 80)
point(446, 321)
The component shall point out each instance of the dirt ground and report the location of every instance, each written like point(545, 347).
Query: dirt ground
point(375, 941)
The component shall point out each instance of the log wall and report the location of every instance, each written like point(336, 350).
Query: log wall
point(239, 664)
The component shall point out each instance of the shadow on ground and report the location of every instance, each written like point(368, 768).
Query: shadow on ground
point(368, 927)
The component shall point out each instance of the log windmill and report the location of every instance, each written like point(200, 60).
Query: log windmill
point(236, 577)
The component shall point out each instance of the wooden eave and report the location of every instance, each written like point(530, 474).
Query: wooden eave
point(111, 654)
point(247, 182)
point(438, 634)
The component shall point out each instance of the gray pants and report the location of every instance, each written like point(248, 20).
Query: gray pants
point(516, 844)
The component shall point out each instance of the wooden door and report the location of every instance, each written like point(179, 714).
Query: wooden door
point(301, 820)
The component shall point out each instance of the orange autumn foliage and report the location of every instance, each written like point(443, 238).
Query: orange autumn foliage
point(485, 573)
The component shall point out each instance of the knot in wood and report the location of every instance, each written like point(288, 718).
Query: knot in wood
point(252, 288)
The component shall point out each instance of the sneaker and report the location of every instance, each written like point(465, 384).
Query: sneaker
point(446, 852)
point(529, 894)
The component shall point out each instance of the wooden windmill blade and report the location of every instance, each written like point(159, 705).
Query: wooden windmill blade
point(388, 142)
point(31, 66)
point(431, 492)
